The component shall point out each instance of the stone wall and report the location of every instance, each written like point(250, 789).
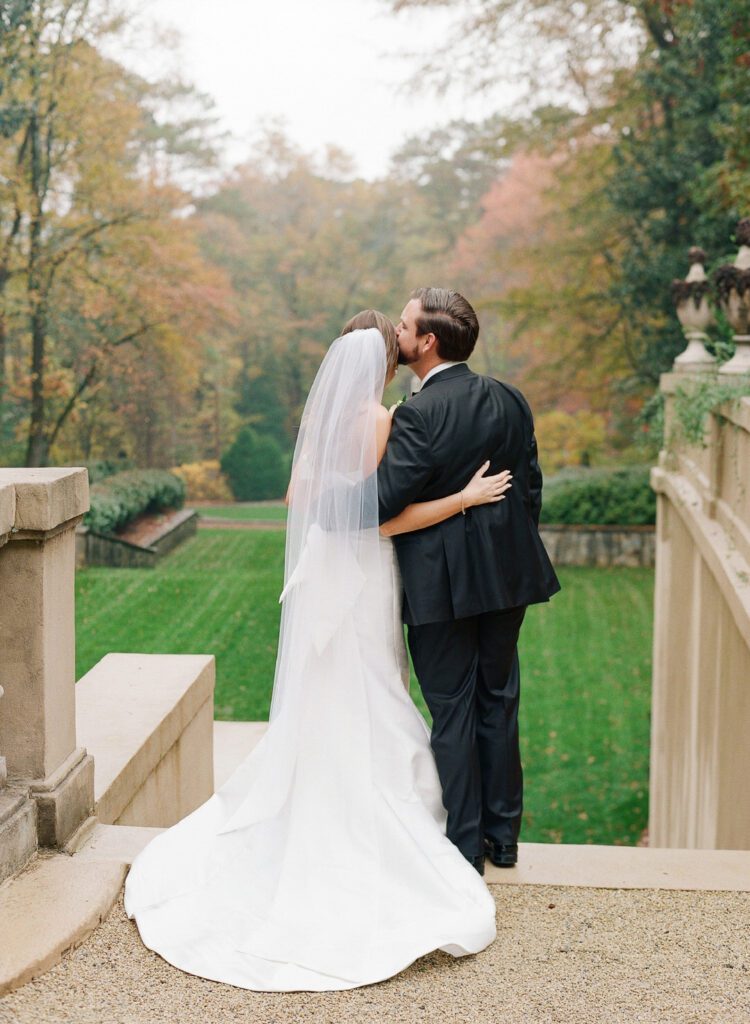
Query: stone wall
point(600, 546)
point(700, 755)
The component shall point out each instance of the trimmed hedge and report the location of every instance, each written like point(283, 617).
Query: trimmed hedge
point(600, 497)
point(118, 499)
point(100, 469)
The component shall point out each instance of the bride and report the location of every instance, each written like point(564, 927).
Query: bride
point(322, 863)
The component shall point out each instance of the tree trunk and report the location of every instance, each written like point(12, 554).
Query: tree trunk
point(3, 348)
point(217, 423)
point(37, 451)
point(37, 289)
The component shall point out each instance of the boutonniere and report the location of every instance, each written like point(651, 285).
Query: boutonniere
point(392, 409)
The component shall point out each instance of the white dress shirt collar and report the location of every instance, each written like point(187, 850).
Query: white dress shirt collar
point(431, 373)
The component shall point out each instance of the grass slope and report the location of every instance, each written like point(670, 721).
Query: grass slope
point(585, 663)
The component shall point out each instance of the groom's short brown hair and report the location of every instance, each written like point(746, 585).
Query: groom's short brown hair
point(451, 318)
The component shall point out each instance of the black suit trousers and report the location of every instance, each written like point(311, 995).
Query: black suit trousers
point(469, 674)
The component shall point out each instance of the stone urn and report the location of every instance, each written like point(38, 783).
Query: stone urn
point(695, 315)
point(733, 288)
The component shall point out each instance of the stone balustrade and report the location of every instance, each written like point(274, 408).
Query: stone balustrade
point(148, 720)
point(700, 757)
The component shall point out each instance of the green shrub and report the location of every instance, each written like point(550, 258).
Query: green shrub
point(255, 466)
point(100, 469)
point(600, 497)
point(118, 499)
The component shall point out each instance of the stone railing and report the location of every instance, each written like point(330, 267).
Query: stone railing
point(700, 755)
point(37, 665)
point(147, 720)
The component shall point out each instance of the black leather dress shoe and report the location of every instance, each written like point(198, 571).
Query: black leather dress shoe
point(478, 863)
point(502, 855)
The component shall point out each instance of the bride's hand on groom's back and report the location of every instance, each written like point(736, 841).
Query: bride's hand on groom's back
point(484, 490)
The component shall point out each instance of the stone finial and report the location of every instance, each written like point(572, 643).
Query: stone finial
point(743, 232)
point(695, 315)
point(733, 287)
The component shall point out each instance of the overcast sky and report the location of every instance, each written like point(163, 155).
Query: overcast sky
point(329, 68)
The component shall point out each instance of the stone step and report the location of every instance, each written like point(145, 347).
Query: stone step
point(625, 867)
point(48, 909)
point(117, 844)
point(53, 905)
point(233, 741)
point(589, 866)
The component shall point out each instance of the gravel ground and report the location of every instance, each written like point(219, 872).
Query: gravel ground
point(562, 954)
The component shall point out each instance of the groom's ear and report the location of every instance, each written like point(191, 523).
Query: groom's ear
point(430, 342)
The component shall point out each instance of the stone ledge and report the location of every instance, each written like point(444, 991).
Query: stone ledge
point(131, 711)
point(118, 843)
point(46, 498)
point(559, 864)
point(50, 908)
point(233, 741)
point(625, 867)
point(7, 509)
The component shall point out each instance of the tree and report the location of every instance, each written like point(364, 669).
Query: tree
point(12, 112)
point(255, 467)
point(305, 249)
point(655, 157)
point(260, 393)
point(86, 165)
point(675, 151)
point(556, 49)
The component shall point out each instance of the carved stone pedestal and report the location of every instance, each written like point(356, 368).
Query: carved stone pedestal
point(37, 641)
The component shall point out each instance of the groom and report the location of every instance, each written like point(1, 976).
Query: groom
point(468, 580)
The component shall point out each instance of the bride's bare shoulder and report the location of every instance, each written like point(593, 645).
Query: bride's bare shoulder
point(382, 429)
point(382, 416)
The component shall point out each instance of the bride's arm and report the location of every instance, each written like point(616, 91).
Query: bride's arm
point(481, 490)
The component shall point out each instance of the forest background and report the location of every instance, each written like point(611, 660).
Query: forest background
point(152, 304)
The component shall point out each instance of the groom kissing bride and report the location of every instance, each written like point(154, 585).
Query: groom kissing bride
point(351, 841)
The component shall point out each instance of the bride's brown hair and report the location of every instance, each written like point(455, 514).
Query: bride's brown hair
point(372, 318)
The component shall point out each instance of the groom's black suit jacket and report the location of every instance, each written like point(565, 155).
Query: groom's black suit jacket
point(492, 557)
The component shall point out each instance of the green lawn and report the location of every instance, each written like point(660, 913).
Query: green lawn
point(585, 661)
point(246, 512)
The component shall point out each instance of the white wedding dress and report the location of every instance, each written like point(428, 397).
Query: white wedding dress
point(322, 863)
